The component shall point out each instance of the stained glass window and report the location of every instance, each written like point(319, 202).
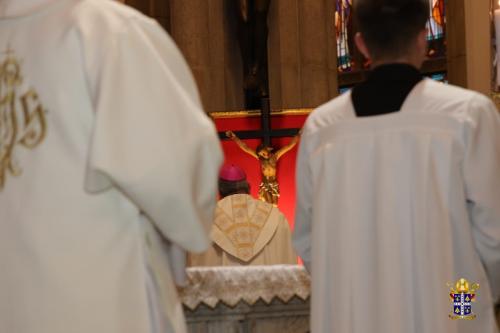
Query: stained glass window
point(343, 27)
point(441, 77)
point(436, 28)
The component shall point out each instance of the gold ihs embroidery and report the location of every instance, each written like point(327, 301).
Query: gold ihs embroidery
point(22, 118)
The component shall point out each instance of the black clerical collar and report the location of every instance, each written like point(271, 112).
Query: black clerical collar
point(385, 90)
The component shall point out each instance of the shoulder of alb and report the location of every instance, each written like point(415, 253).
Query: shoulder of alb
point(467, 107)
point(446, 98)
point(328, 114)
point(108, 19)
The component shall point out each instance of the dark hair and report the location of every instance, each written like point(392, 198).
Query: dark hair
point(389, 27)
point(227, 187)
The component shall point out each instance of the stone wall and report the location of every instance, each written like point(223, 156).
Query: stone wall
point(301, 47)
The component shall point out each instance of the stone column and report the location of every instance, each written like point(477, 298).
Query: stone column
point(302, 53)
point(157, 9)
point(478, 45)
point(190, 30)
point(455, 38)
point(469, 44)
point(203, 31)
point(302, 50)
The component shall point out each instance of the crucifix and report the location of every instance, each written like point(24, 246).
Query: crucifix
point(252, 33)
point(269, 188)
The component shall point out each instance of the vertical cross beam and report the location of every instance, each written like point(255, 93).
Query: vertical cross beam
point(265, 121)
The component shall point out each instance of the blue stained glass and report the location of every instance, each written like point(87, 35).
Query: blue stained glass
point(441, 77)
point(344, 89)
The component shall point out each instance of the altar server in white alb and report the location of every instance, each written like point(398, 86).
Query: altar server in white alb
point(399, 191)
point(101, 131)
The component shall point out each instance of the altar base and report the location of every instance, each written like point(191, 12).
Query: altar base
point(254, 299)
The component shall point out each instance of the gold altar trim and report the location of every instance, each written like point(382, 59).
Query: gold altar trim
point(212, 286)
point(257, 113)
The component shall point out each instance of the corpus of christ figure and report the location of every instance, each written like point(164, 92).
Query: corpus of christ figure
point(269, 188)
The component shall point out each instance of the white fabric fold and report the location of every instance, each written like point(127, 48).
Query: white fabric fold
point(124, 137)
point(391, 208)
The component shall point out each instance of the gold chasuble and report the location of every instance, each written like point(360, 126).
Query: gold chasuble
point(247, 231)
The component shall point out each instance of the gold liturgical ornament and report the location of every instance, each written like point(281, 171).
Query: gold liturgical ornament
point(22, 118)
point(269, 190)
point(462, 296)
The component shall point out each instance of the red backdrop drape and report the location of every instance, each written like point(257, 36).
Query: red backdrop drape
point(286, 165)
